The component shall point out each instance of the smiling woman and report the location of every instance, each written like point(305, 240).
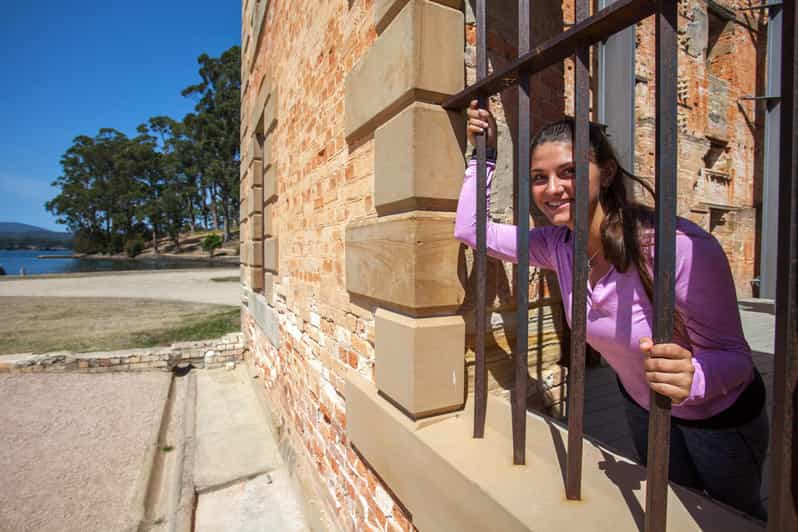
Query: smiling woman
point(719, 424)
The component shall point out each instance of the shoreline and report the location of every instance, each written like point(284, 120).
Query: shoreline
point(104, 273)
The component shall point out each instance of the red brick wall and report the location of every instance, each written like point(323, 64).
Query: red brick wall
point(307, 50)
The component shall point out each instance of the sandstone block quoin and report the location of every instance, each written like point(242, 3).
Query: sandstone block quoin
point(420, 362)
point(270, 254)
point(268, 215)
point(255, 201)
point(407, 261)
point(419, 56)
point(418, 160)
point(256, 227)
point(269, 183)
point(255, 173)
point(256, 278)
point(255, 252)
point(386, 10)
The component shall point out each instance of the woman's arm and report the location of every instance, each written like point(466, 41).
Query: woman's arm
point(501, 238)
point(706, 296)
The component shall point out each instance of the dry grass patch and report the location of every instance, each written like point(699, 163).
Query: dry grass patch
point(44, 324)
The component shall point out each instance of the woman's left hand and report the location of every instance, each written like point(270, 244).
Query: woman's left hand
point(669, 369)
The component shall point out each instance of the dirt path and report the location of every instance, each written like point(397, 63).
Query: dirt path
point(77, 449)
point(194, 286)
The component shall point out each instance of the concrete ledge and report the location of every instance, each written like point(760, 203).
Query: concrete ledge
point(418, 160)
point(386, 10)
point(407, 262)
point(420, 362)
point(456, 482)
point(203, 354)
point(419, 56)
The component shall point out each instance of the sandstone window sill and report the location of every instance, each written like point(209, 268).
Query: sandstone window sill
point(448, 480)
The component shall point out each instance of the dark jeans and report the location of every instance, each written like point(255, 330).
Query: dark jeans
point(726, 463)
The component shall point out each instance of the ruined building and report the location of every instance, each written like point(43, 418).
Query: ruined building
point(357, 300)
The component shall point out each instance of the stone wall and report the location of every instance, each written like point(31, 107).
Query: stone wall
point(226, 351)
point(721, 60)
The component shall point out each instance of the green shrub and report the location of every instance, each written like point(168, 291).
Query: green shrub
point(134, 247)
point(211, 242)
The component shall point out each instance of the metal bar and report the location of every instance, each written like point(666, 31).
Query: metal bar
point(770, 171)
point(783, 503)
point(665, 257)
point(480, 370)
point(606, 22)
point(761, 6)
point(576, 369)
point(766, 98)
point(522, 235)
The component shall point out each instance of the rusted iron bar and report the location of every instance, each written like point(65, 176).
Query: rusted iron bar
point(480, 370)
point(576, 369)
point(665, 257)
point(783, 503)
point(604, 23)
point(522, 234)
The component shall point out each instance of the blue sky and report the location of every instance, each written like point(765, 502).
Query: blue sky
point(71, 68)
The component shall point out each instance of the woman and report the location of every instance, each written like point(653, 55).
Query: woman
point(719, 428)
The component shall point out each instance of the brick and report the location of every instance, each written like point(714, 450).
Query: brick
point(418, 160)
point(420, 55)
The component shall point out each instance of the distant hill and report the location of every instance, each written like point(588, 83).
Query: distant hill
point(16, 235)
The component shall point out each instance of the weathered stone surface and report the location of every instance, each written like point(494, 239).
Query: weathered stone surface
point(418, 160)
point(256, 278)
point(255, 174)
point(386, 10)
point(255, 253)
point(268, 216)
point(407, 261)
point(419, 56)
point(420, 362)
point(457, 482)
point(255, 200)
point(266, 318)
point(268, 287)
point(269, 183)
point(270, 255)
point(255, 226)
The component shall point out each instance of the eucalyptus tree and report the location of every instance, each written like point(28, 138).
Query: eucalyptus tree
point(215, 128)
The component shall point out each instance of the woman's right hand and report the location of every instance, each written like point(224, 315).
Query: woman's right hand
point(479, 121)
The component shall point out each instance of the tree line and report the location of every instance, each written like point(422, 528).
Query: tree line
point(173, 175)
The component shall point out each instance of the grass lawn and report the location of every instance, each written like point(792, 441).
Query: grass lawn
point(44, 324)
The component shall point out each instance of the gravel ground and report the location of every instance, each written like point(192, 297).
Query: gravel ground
point(175, 285)
point(74, 449)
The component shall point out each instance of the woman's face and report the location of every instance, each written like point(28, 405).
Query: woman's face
point(552, 178)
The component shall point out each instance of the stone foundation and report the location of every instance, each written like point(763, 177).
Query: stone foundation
point(204, 354)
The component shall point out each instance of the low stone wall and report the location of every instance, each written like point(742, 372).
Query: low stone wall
point(207, 354)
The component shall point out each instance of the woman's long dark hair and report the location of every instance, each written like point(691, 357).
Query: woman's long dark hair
point(627, 227)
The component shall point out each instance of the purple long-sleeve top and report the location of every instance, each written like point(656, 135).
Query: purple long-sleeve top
point(619, 313)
